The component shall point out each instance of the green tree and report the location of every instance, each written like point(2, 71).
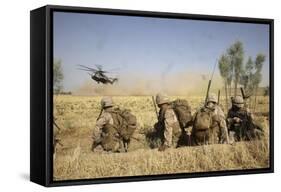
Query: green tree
point(236, 56)
point(247, 76)
point(226, 73)
point(257, 75)
point(57, 76)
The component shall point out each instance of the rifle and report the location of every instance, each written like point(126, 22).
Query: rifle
point(210, 82)
point(100, 113)
point(245, 97)
point(208, 89)
point(242, 92)
point(54, 122)
point(155, 108)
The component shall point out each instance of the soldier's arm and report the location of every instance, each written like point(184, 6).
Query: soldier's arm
point(229, 118)
point(251, 120)
point(170, 121)
point(223, 131)
point(223, 127)
point(192, 119)
point(99, 125)
point(250, 115)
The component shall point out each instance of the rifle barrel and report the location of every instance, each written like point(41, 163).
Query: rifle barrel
point(242, 92)
point(100, 113)
point(208, 89)
point(210, 81)
point(56, 125)
point(155, 108)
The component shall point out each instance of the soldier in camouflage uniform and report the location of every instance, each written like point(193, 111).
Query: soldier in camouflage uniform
point(240, 121)
point(216, 130)
point(105, 135)
point(168, 123)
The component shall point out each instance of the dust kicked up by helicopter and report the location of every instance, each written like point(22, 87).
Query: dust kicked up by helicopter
point(98, 74)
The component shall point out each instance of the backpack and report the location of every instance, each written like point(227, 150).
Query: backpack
point(182, 110)
point(124, 122)
point(202, 120)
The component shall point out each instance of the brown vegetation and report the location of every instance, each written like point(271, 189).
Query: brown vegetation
point(76, 116)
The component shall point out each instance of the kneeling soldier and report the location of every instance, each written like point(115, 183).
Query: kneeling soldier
point(167, 122)
point(209, 125)
point(105, 136)
point(240, 121)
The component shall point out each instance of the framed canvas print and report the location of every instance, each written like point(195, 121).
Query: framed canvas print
point(120, 95)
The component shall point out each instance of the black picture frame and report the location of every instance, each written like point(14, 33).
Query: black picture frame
point(41, 119)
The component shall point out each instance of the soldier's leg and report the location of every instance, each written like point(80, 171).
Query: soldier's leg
point(213, 135)
point(259, 133)
point(237, 134)
point(176, 138)
point(231, 137)
point(223, 132)
point(207, 137)
point(168, 137)
point(120, 146)
point(254, 134)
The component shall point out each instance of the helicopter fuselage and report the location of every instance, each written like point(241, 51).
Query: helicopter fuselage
point(100, 78)
point(98, 75)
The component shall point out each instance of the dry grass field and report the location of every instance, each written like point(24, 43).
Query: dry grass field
point(76, 116)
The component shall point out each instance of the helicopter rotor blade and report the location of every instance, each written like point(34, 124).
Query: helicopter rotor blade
point(99, 67)
point(85, 68)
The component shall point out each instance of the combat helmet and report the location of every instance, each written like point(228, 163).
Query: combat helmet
point(162, 98)
point(238, 101)
point(212, 98)
point(106, 102)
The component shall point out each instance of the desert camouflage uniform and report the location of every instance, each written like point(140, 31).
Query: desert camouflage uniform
point(105, 135)
point(241, 124)
point(217, 131)
point(167, 123)
point(171, 127)
point(218, 128)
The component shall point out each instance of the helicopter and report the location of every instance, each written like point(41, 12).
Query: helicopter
point(98, 74)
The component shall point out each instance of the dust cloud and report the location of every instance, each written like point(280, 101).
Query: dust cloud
point(171, 84)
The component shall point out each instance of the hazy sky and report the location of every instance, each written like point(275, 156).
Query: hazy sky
point(149, 48)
